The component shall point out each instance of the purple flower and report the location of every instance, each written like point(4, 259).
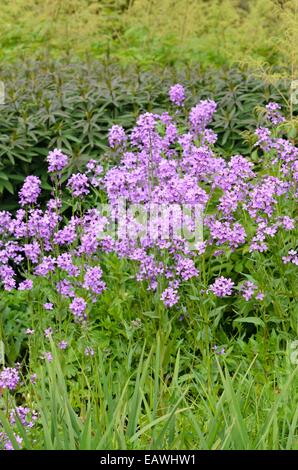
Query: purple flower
point(7, 277)
point(264, 138)
point(46, 266)
point(78, 307)
point(218, 351)
point(186, 269)
point(54, 204)
point(273, 114)
point(201, 247)
point(48, 356)
point(260, 296)
point(32, 251)
point(170, 297)
point(248, 289)
point(65, 288)
point(93, 281)
point(201, 115)
point(30, 190)
point(48, 306)
point(6, 444)
point(292, 257)
point(25, 415)
point(30, 332)
point(288, 223)
point(91, 165)
point(56, 160)
point(223, 232)
point(64, 262)
point(66, 235)
point(222, 286)
point(89, 351)
point(177, 94)
point(26, 285)
point(63, 345)
point(9, 378)
point(48, 332)
point(33, 378)
point(78, 184)
point(116, 136)
point(209, 137)
point(98, 170)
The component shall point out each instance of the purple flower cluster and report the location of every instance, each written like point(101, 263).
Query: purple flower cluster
point(65, 263)
point(57, 161)
point(201, 115)
point(9, 378)
point(170, 297)
point(25, 415)
point(116, 136)
point(20, 414)
point(25, 285)
point(78, 184)
point(52, 246)
point(146, 177)
point(30, 190)
point(222, 286)
point(177, 94)
point(273, 114)
point(292, 257)
point(78, 308)
point(93, 281)
point(248, 289)
point(225, 232)
point(6, 444)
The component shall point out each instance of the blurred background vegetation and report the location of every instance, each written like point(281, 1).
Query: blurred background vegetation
point(217, 32)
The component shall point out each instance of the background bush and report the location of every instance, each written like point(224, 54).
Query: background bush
point(153, 31)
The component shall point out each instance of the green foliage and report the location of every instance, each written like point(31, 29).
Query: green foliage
point(152, 31)
point(149, 403)
point(14, 319)
point(71, 106)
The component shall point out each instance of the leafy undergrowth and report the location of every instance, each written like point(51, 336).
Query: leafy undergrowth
point(162, 397)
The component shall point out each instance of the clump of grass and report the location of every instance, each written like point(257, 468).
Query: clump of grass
point(119, 408)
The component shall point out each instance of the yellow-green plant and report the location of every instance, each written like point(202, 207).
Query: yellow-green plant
point(148, 31)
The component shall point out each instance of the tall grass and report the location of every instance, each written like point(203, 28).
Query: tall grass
point(143, 408)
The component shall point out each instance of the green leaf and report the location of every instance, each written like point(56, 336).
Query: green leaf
point(254, 320)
